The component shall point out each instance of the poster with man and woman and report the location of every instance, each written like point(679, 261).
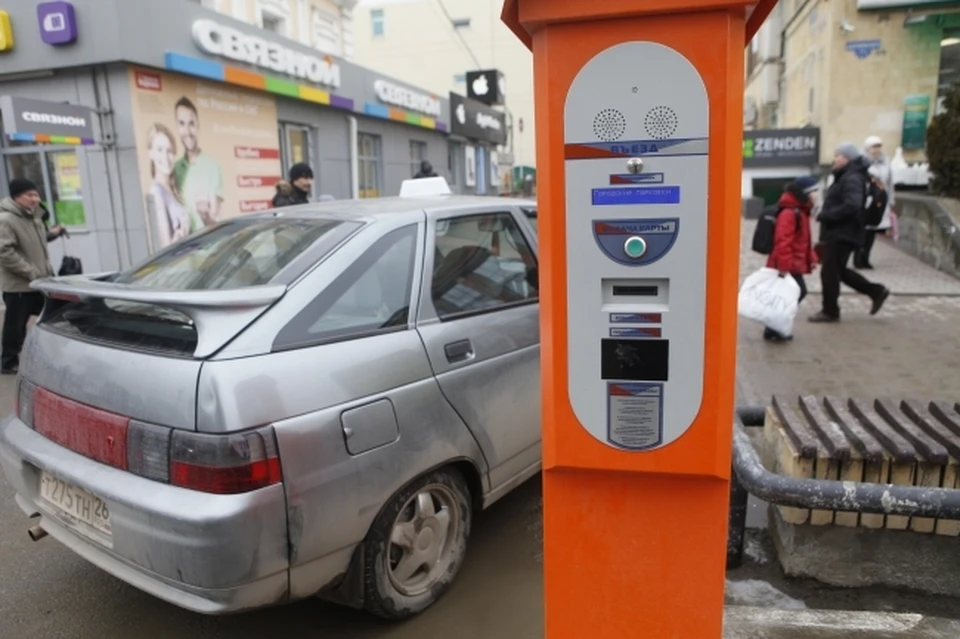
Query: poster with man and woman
point(206, 152)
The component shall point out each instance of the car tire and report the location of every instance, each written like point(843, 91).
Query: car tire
point(416, 545)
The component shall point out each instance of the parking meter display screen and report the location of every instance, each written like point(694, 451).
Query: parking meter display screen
point(641, 360)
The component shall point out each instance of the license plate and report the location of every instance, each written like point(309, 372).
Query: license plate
point(75, 504)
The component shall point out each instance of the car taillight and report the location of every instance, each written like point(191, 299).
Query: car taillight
point(24, 402)
point(225, 464)
point(221, 464)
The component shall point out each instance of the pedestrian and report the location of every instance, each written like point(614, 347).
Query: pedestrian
point(297, 189)
point(23, 259)
point(842, 232)
point(426, 171)
point(881, 171)
point(793, 252)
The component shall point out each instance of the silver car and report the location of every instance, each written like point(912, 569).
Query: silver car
point(311, 401)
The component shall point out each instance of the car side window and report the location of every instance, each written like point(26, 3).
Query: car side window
point(372, 295)
point(481, 263)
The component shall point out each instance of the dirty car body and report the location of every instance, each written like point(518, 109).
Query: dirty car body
point(294, 403)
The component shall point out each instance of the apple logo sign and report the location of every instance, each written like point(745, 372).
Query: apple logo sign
point(462, 113)
point(481, 86)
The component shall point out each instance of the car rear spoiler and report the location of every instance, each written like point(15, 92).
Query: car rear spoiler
point(218, 315)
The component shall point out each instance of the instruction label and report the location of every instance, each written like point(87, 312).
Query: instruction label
point(635, 415)
point(636, 332)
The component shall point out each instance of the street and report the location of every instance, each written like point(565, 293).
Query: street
point(909, 349)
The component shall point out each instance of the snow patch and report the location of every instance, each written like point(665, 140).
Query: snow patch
point(754, 592)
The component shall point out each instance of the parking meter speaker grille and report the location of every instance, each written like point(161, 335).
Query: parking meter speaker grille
point(609, 125)
point(661, 122)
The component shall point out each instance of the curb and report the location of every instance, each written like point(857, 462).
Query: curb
point(746, 622)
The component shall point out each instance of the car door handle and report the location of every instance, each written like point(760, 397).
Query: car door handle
point(458, 351)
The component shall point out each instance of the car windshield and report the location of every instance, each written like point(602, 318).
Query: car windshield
point(240, 253)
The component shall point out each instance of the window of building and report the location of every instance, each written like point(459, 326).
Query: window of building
point(454, 160)
point(418, 153)
point(326, 32)
point(376, 20)
point(483, 263)
point(274, 16)
point(949, 63)
point(753, 56)
point(369, 158)
point(211, 4)
point(810, 101)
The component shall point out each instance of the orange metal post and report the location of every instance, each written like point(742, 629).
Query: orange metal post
point(634, 542)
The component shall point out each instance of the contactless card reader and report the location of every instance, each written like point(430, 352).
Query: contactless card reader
point(636, 233)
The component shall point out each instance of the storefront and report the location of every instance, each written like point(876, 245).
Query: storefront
point(773, 157)
point(188, 117)
point(476, 133)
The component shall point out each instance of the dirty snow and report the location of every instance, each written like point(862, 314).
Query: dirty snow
point(753, 592)
point(754, 548)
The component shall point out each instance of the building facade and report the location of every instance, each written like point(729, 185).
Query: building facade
point(853, 68)
point(141, 135)
point(325, 25)
point(434, 45)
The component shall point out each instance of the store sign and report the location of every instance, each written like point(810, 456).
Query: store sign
point(399, 96)
point(58, 23)
point(781, 147)
point(227, 42)
point(916, 116)
point(863, 48)
point(22, 115)
point(486, 86)
point(6, 32)
point(476, 121)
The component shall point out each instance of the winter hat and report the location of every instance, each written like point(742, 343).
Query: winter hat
point(848, 150)
point(300, 170)
point(872, 141)
point(19, 186)
point(808, 184)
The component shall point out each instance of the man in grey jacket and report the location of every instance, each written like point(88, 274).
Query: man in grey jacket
point(23, 259)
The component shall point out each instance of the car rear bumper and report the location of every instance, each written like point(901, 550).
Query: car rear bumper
point(207, 553)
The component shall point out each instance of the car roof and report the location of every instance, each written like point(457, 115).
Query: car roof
point(371, 209)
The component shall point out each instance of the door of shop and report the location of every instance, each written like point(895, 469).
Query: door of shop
point(56, 170)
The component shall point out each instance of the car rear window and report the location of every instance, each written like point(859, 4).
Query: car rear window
point(236, 254)
point(241, 253)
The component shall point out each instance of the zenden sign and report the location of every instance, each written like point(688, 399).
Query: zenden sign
point(781, 147)
point(220, 40)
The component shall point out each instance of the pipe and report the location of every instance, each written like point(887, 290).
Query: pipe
point(36, 532)
point(823, 494)
point(354, 159)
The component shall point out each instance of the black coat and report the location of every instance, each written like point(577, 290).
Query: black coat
point(289, 195)
point(841, 218)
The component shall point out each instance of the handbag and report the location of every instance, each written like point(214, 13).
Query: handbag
point(70, 265)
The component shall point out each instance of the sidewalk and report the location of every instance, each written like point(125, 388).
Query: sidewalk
point(909, 350)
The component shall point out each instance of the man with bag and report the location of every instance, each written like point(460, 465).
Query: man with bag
point(842, 232)
point(23, 259)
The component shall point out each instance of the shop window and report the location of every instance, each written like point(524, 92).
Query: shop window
point(274, 16)
point(482, 168)
point(56, 172)
point(454, 160)
point(295, 145)
point(418, 153)
point(377, 21)
point(369, 160)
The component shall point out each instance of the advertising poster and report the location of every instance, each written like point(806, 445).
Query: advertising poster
point(206, 152)
point(470, 158)
point(68, 204)
point(916, 114)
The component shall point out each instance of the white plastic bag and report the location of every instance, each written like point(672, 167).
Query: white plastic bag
point(772, 300)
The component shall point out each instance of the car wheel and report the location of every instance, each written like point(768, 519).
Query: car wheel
point(416, 545)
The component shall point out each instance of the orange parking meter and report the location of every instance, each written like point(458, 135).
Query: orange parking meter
point(639, 137)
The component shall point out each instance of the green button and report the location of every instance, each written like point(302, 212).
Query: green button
point(635, 247)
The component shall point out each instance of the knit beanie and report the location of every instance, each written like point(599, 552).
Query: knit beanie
point(19, 186)
point(300, 170)
point(849, 150)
